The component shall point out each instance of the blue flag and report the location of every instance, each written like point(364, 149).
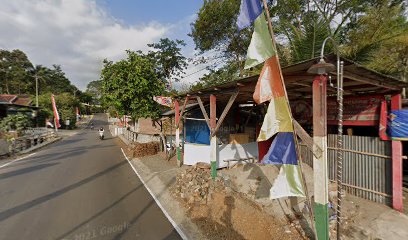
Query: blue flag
point(282, 150)
point(249, 11)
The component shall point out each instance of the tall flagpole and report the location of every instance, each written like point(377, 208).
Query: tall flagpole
point(268, 17)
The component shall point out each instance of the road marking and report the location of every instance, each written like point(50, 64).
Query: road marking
point(15, 160)
point(180, 232)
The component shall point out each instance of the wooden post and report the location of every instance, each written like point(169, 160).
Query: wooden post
point(213, 141)
point(396, 162)
point(55, 124)
point(320, 163)
point(171, 138)
point(225, 112)
point(176, 120)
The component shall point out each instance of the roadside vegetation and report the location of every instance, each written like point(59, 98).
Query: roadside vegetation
point(371, 33)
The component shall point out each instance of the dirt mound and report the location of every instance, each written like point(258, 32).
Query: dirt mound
point(222, 213)
point(192, 185)
point(144, 149)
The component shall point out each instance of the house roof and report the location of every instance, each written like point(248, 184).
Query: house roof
point(171, 112)
point(357, 80)
point(7, 98)
point(16, 100)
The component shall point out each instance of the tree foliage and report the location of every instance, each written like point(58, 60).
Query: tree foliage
point(130, 84)
point(168, 60)
point(215, 32)
point(373, 33)
point(18, 74)
point(66, 104)
point(17, 122)
point(380, 39)
point(94, 89)
point(14, 73)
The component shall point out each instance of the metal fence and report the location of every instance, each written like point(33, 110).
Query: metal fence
point(367, 166)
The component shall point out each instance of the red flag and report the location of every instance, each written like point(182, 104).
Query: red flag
point(54, 109)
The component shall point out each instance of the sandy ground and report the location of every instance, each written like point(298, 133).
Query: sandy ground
point(244, 211)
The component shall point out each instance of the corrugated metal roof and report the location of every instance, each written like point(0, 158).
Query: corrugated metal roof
point(357, 80)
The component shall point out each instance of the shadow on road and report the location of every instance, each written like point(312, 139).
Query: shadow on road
point(152, 202)
point(26, 170)
point(22, 207)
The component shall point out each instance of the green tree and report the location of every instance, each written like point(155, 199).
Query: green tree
point(215, 33)
point(17, 75)
point(168, 60)
point(130, 84)
point(380, 39)
point(14, 72)
point(66, 104)
point(94, 89)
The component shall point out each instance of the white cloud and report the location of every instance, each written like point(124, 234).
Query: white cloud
point(77, 34)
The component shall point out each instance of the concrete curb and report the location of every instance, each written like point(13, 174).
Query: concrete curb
point(160, 191)
point(39, 146)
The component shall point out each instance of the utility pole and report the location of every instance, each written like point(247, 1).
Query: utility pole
point(36, 90)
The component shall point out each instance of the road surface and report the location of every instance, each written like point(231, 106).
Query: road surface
point(79, 188)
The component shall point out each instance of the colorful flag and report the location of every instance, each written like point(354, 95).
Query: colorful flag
point(165, 101)
point(283, 152)
point(260, 48)
point(270, 82)
point(248, 12)
point(270, 87)
point(54, 109)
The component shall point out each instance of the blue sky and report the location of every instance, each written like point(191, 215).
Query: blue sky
point(143, 11)
point(79, 34)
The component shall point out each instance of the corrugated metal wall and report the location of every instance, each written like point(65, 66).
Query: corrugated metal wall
point(366, 166)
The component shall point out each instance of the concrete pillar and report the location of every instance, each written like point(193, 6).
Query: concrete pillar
point(213, 141)
point(320, 164)
point(177, 118)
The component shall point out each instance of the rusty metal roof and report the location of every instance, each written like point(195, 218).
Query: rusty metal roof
point(17, 100)
point(357, 80)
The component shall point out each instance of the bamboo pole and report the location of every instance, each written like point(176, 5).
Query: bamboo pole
point(290, 111)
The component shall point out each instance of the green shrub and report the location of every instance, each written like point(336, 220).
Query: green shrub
point(17, 122)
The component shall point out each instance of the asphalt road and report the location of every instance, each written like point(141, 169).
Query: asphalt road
point(79, 188)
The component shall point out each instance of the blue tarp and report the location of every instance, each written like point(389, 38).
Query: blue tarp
point(398, 124)
point(197, 132)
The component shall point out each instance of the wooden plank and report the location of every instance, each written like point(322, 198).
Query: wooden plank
point(200, 103)
point(362, 79)
point(307, 140)
point(182, 111)
point(225, 112)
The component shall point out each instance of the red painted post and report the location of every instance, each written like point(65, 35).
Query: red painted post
point(176, 111)
point(383, 121)
point(213, 141)
point(396, 162)
point(320, 166)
